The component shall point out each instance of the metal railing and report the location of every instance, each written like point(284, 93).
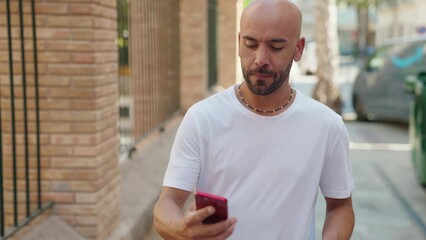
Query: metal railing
point(125, 99)
point(212, 42)
point(7, 229)
point(154, 63)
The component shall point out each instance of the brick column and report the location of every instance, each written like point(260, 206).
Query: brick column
point(78, 66)
point(193, 44)
point(227, 42)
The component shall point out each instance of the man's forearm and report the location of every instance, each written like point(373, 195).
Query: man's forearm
point(339, 222)
point(166, 214)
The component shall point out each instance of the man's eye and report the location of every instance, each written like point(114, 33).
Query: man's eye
point(250, 44)
point(276, 48)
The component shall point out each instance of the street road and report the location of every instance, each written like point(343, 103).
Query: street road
point(389, 203)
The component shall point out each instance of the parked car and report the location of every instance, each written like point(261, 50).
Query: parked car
point(378, 91)
point(308, 62)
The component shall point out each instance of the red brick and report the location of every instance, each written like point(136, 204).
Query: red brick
point(87, 186)
point(105, 23)
point(83, 81)
point(58, 197)
point(54, 57)
point(70, 46)
point(84, 127)
point(54, 81)
point(58, 151)
point(83, 58)
point(57, 127)
point(73, 139)
point(72, 69)
point(87, 104)
point(69, 162)
point(86, 197)
point(52, 8)
point(81, 9)
point(60, 186)
point(57, 174)
point(83, 151)
point(54, 33)
point(78, 93)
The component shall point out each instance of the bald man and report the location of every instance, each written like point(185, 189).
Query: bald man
point(263, 145)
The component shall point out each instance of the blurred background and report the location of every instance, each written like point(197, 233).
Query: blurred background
point(92, 93)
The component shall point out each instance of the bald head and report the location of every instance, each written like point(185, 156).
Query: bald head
point(279, 12)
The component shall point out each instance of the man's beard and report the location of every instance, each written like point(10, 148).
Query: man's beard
point(260, 87)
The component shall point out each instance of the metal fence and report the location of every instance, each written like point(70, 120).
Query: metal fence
point(212, 42)
point(125, 99)
point(20, 165)
point(154, 63)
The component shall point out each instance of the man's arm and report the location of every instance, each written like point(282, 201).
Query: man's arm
point(339, 220)
point(171, 223)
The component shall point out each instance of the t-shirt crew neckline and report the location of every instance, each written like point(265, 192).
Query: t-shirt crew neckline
point(249, 113)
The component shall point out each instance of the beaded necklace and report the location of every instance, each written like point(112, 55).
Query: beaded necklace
point(264, 111)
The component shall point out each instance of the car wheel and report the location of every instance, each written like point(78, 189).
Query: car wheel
point(361, 116)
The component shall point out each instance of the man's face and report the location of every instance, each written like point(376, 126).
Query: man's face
point(267, 47)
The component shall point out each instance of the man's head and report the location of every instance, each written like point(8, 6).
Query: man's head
point(269, 41)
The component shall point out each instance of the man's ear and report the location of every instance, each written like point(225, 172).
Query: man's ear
point(299, 49)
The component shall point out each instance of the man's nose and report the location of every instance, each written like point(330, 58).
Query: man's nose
point(262, 56)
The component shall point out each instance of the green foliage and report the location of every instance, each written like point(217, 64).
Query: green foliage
point(359, 3)
point(366, 3)
point(123, 32)
point(122, 10)
point(246, 3)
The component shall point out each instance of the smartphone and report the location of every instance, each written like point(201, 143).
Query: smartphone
point(203, 200)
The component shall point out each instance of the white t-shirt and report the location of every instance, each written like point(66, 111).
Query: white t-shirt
point(268, 167)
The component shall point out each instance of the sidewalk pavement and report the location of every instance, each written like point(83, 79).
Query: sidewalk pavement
point(141, 182)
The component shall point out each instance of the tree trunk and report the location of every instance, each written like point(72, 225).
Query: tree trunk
point(363, 22)
point(326, 90)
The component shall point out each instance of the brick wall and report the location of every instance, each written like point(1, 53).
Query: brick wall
point(193, 45)
point(78, 63)
point(227, 42)
point(193, 35)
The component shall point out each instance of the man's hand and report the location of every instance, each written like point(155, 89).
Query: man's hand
point(191, 226)
point(171, 223)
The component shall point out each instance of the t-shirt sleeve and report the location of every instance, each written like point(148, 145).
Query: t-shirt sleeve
point(184, 165)
point(336, 177)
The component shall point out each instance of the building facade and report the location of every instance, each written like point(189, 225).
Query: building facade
point(403, 18)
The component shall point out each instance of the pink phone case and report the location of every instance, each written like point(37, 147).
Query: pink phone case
point(219, 203)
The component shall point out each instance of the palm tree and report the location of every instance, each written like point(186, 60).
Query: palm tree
point(326, 90)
